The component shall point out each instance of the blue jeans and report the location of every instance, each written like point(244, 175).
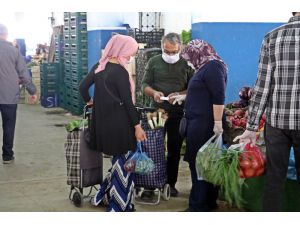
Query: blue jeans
point(9, 116)
point(203, 195)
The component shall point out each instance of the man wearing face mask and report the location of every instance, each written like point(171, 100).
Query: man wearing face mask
point(167, 75)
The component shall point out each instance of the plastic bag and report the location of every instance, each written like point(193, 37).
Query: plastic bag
point(292, 172)
point(252, 161)
point(207, 155)
point(139, 163)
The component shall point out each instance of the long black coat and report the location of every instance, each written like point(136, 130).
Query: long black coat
point(112, 123)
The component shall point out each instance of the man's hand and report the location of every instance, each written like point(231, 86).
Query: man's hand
point(247, 137)
point(32, 99)
point(157, 95)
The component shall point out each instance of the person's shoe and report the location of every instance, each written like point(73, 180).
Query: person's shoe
point(174, 192)
point(8, 160)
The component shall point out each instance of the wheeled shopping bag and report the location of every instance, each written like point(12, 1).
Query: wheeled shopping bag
point(84, 165)
point(156, 180)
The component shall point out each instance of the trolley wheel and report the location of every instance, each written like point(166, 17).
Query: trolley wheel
point(77, 199)
point(166, 192)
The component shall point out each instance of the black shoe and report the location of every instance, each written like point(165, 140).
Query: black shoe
point(174, 192)
point(147, 194)
point(8, 160)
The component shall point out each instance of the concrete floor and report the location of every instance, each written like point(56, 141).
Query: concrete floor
point(36, 181)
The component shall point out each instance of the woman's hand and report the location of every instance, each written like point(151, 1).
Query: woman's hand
point(140, 134)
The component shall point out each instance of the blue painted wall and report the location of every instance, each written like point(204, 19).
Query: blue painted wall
point(238, 44)
point(97, 40)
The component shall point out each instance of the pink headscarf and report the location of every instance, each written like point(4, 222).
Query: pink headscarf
point(119, 47)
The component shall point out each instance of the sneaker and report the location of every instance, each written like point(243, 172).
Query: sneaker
point(8, 160)
point(174, 192)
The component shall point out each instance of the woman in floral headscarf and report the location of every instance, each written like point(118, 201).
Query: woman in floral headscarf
point(204, 104)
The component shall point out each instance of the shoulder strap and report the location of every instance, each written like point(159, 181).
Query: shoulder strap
point(111, 94)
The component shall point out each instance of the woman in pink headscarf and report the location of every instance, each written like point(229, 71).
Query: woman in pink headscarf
point(115, 123)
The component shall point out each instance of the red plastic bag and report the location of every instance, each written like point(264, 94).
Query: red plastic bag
point(252, 162)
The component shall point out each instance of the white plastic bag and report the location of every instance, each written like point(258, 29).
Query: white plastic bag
point(207, 154)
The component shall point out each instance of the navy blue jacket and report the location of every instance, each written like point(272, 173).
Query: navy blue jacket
point(205, 89)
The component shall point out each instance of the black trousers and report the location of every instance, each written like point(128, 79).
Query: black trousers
point(174, 143)
point(9, 115)
point(203, 196)
point(278, 146)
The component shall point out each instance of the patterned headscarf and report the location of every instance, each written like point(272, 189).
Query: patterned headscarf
point(199, 52)
point(119, 47)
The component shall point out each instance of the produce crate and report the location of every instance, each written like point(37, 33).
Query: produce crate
point(50, 68)
point(253, 193)
point(76, 55)
point(78, 15)
point(66, 15)
point(67, 55)
point(49, 100)
point(79, 64)
point(79, 70)
point(151, 38)
point(79, 29)
point(78, 38)
point(79, 46)
point(77, 20)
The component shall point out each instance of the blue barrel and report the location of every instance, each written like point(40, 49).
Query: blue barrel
point(22, 46)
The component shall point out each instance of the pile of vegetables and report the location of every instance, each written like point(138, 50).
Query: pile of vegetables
point(251, 162)
point(227, 168)
point(157, 119)
point(245, 95)
point(237, 112)
point(220, 167)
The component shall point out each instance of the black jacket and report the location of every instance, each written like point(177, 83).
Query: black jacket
point(112, 123)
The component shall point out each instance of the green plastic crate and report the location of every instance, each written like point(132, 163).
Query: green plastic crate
point(253, 193)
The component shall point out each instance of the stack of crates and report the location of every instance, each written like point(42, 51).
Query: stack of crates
point(59, 58)
point(76, 58)
point(49, 74)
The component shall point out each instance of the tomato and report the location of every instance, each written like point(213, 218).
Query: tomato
point(245, 164)
point(255, 165)
point(239, 113)
point(249, 172)
point(241, 174)
point(260, 171)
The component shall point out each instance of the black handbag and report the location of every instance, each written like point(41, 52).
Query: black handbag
point(183, 126)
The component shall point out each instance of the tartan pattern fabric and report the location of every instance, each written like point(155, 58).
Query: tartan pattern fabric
point(154, 147)
point(72, 151)
point(118, 186)
point(277, 88)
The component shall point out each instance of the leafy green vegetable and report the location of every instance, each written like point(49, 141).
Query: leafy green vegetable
point(220, 167)
point(186, 36)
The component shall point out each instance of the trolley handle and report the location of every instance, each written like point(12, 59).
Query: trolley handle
point(86, 111)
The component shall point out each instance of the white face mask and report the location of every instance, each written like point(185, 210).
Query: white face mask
point(171, 59)
point(191, 65)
